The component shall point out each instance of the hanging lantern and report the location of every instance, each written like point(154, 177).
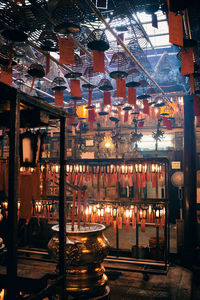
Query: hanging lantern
point(97, 40)
point(30, 148)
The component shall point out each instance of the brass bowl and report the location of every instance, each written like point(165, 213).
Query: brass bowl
point(86, 249)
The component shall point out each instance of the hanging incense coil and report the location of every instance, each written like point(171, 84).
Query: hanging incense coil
point(97, 40)
point(67, 27)
point(89, 86)
point(132, 84)
point(65, 11)
point(118, 59)
point(113, 119)
point(105, 85)
point(118, 74)
point(76, 69)
point(144, 96)
point(14, 35)
point(58, 84)
point(49, 41)
point(36, 70)
point(143, 83)
point(103, 113)
point(89, 72)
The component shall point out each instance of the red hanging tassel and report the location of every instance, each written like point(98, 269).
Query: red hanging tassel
point(196, 105)
point(131, 96)
point(141, 124)
point(192, 84)
point(89, 98)
point(98, 61)
point(47, 63)
point(121, 87)
point(146, 107)
point(106, 98)
point(58, 98)
point(74, 107)
point(33, 81)
point(126, 116)
point(6, 75)
point(75, 88)
point(175, 29)
point(66, 50)
point(91, 118)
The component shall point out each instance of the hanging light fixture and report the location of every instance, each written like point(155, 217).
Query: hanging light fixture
point(30, 148)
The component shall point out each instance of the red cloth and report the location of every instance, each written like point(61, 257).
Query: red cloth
point(89, 98)
point(47, 63)
point(66, 51)
point(141, 124)
point(131, 96)
point(98, 61)
point(126, 116)
point(6, 75)
point(192, 84)
point(187, 61)
point(58, 98)
point(106, 98)
point(146, 107)
point(175, 29)
point(75, 88)
point(121, 87)
point(196, 105)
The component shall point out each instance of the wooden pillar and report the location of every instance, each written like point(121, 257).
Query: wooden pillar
point(62, 206)
point(189, 203)
point(12, 197)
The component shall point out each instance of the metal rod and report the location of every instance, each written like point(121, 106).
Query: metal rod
point(98, 14)
point(12, 196)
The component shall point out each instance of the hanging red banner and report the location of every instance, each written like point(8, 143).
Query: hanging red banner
point(98, 61)
point(146, 107)
point(106, 98)
point(6, 75)
point(131, 96)
point(58, 98)
point(75, 88)
point(121, 87)
point(187, 61)
point(192, 91)
point(175, 28)
point(126, 116)
point(196, 105)
point(47, 63)
point(89, 97)
point(66, 51)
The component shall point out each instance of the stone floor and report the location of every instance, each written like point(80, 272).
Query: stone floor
point(177, 284)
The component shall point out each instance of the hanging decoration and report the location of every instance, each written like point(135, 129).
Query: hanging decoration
point(66, 51)
point(58, 86)
point(187, 61)
point(75, 88)
point(98, 61)
point(106, 98)
point(131, 96)
point(105, 85)
point(36, 71)
point(175, 28)
point(76, 69)
point(6, 75)
point(121, 87)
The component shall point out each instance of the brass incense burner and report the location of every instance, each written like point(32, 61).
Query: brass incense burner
point(86, 249)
